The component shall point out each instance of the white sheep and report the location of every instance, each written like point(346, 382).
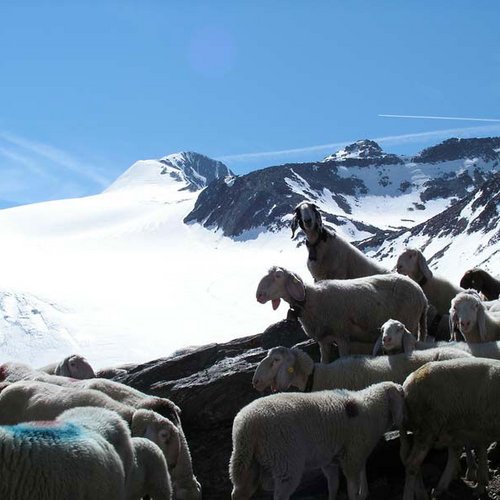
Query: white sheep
point(439, 291)
point(67, 458)
point(341, 310)
point(150, 474)
point(330, 255)
point(395, 338)
point(27, 400)
point(278, 436)
point(74, 366)
point(452, 403)
point(130, 397)
point(172, 442)
point(285, 367)
point(468, 313)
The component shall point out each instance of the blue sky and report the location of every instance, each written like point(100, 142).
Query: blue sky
point(89, 87)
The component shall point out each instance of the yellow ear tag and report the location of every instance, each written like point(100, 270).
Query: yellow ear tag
point(290, 369)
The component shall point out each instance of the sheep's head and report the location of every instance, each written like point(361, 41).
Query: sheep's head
point(307, 216)
point(275, 370)
point(160, 430)
point(75, 366)
point(412, 263)
point(280, 284)
point(394, 338)
point(473, 278)
point(467, 312)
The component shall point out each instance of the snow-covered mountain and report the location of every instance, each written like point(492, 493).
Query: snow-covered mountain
point(171, 253)
point(360, 186)
point(467, 233)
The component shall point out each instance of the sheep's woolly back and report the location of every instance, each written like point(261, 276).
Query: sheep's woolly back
point(463, 392)
point(41, 461)
point(358, 372)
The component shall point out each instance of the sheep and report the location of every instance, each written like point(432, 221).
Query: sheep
point(284, 367)
point(66, 458)
point(468, 313)
point(34, 400)
point(149, 424)
point(452, 403)
point(481, 281)
point(12, 372)
point(282, 434)
point(330, 255)
point(395, 338)
point(74, 366)
point(341, 310)
point(150, 474)
point(439, 291)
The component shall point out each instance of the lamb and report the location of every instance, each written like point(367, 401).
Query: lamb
point(49, 460)
point(475, 323)
point(396, 338)
point(482, 281)
point(283, 368)
point(439, 291)
point(319, 430)
point(149, 424)
point(452, 403)
point(330, 255)
point(74, 366)
point(150, 474)
point(341, 310)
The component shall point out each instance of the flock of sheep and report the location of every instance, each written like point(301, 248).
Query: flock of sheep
point(66, 433)
point(437, 382)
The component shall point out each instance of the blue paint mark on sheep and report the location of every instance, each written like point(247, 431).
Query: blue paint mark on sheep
point(42, 431)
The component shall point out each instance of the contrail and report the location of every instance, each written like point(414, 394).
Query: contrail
point(444, 118)
point(389, 140)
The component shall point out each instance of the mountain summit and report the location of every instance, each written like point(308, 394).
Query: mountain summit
point(186, 170)
point(366, 151)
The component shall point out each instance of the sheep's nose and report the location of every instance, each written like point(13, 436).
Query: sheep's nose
point(464, 324)
point(399, 268)
point(261, 297)
point(386, 340)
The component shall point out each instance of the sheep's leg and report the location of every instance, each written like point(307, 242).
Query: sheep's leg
point(245, 483)
point(449, 472)
point(364, 484)
point(413, 464)
point(331, 472)
point(471, 473)
point(286, 483)
point(325, 349)
point(482, 471)
point(343, 345)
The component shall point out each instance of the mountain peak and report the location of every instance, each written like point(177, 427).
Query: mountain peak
point(189, 170)
point(364, 149)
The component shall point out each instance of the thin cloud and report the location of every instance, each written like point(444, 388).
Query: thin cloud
point(388, 140)
point(57, 156)
point(459, 118)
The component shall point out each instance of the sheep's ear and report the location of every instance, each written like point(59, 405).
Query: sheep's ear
point(481, 322)
point(424, 268)
point(452, 321)
point(409, 343)
point(295, 222)
point(319, 220)
point(396, 404)
point(295, 288)
point(284, 375)
point(63, 368)
point(378, 346)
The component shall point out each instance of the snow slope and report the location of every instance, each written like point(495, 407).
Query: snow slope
point(118, 277)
